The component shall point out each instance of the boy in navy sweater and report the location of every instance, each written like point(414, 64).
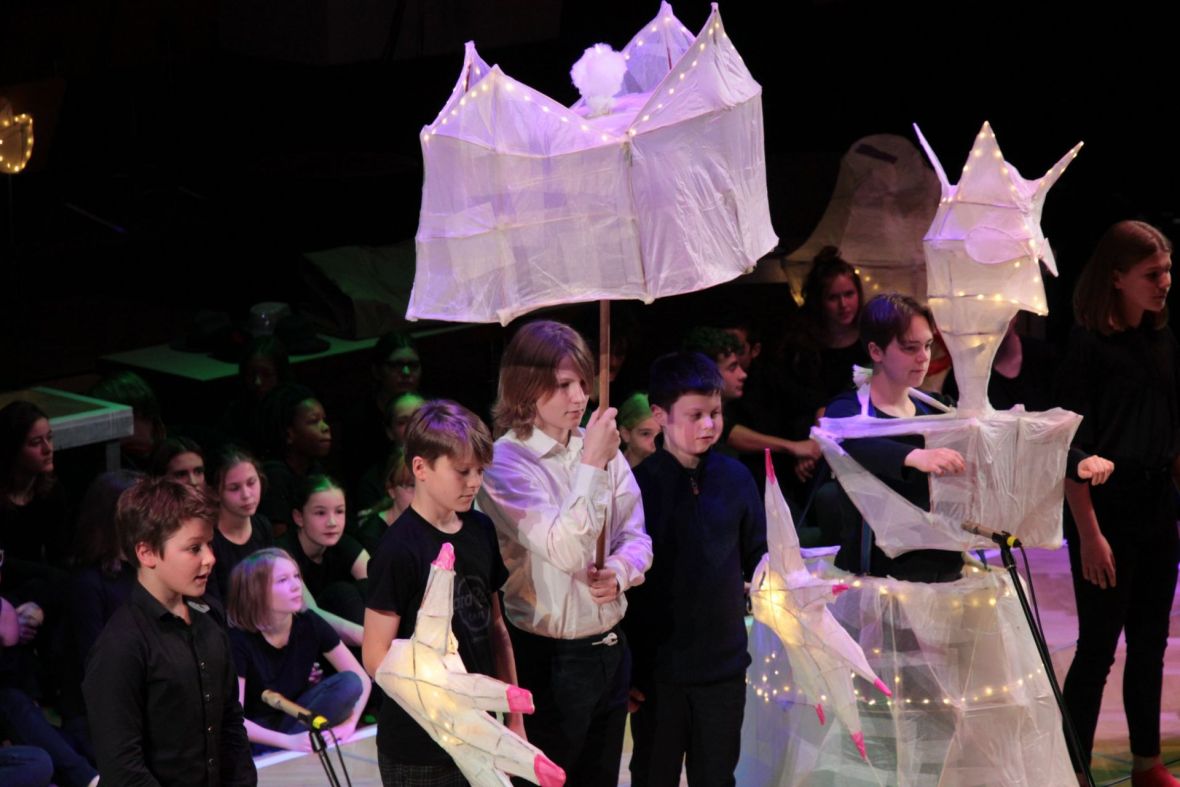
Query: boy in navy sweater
point(686, 622)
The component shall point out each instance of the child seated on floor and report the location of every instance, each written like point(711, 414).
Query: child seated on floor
point(277, 644)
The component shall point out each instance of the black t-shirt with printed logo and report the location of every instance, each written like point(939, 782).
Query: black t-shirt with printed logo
point(398, 572)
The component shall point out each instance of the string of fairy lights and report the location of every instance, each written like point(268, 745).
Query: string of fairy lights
point(453, 110)
point(771, 686)
point(16, 140)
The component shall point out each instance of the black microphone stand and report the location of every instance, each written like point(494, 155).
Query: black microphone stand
point(320, 747)
point(1006, 541)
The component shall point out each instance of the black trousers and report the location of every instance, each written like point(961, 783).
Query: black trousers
point(698, 727)
point(1143, 537)
point(580, 693)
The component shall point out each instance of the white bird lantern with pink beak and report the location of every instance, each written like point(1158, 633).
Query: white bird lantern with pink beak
point(426, 677)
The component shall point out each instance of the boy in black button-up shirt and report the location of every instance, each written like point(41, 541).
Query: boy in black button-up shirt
point(160, 684)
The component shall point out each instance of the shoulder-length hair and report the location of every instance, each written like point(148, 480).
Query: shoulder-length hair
point(16, 419)
point(248, 607)
point(1122, 247)
point(827, 266)
point(528, 372)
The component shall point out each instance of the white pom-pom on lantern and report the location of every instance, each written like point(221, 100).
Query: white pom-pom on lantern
point(598, 75)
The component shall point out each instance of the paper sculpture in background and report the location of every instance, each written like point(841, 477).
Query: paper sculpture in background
point(426, 677)
point(982, 258)
point(983, 253)
point(794, 604)
point(527, 203)
point(881, 206)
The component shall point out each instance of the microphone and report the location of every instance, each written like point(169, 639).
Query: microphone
point(1000, 537)
point(279, 702)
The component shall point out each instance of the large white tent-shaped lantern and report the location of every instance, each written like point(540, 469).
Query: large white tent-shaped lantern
point(528, 203)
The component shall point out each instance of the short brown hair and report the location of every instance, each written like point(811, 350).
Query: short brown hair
point(1122, 247)
point(888, 316)
point(528, 372)
point(154, 508)
point(444, 428)
point(248, 605)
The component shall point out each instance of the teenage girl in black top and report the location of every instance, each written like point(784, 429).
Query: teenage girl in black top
point(1120, 373)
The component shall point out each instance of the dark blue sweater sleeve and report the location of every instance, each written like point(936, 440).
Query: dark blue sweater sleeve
point(881, 456)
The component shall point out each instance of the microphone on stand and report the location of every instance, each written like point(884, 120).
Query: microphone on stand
point(1000, 537)
point(281, 703)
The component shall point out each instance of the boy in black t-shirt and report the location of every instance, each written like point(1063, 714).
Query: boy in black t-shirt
point(448, 448)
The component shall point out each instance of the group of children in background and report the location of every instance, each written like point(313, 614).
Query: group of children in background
point(203, 585)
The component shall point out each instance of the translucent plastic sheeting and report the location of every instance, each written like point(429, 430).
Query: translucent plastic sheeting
point(1014, 479)
point(793, 603)
point(528, 203)
point(971, 704)
point(983, 251)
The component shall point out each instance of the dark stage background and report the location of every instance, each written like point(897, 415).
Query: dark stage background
point(189, 152)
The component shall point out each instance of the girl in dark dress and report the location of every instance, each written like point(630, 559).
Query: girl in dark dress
point(237, 480)
point(1121, 374)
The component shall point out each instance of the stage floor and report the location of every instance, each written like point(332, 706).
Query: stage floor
point(1112, 759)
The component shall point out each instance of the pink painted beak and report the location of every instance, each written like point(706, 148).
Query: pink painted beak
point(859, 739)
point(446, 558)
point(819, 711)
point(839, 588)
point(770, 479)
point(548, 772)
point(881, 687)
point(520, 700)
